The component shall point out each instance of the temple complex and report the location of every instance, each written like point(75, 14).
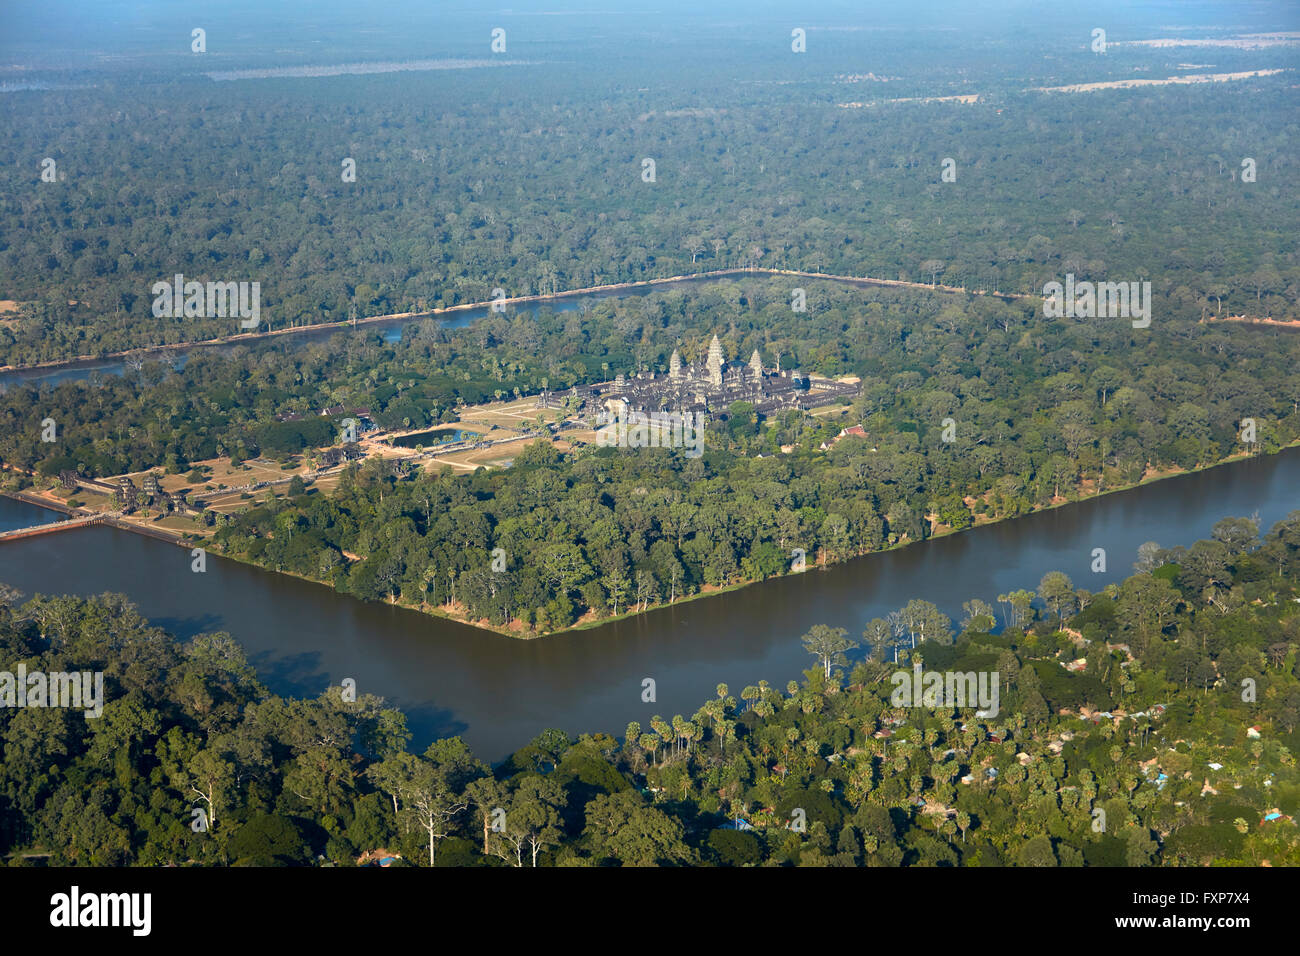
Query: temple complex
point(708, 386)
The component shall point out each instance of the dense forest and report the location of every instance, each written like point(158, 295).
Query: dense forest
point(530, 179)
point(1169, 739)
point(1045, 411)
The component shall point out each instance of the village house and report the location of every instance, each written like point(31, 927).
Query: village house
point(853, 431)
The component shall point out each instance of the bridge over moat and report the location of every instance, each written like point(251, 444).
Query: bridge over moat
point(18, 534)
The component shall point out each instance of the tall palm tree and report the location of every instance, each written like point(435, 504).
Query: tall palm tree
point(679, 728)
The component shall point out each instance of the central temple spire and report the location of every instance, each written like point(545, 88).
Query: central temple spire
point(715, 362)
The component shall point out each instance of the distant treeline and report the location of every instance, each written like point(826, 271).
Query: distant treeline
point(461, 188)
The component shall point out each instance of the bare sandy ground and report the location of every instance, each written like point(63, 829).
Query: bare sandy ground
point(829, 411)
point(863, 78)
point(966, 98)
point(1187, 79)
point(497, 456)
point(507, 415)
point(1243, 41)
point(1253, 320)
point(356, 69)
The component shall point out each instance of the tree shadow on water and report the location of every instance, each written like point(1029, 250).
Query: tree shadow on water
point(291, 675)
point(185, 628)
point(428, 723)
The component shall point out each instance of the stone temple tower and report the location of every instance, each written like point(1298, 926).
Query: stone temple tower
point(675, 365)
point(714, 363)
point(756, 367)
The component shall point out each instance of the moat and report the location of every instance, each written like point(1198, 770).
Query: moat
point(498, 693)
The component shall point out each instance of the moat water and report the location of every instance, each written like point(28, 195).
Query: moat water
point(498, 693)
